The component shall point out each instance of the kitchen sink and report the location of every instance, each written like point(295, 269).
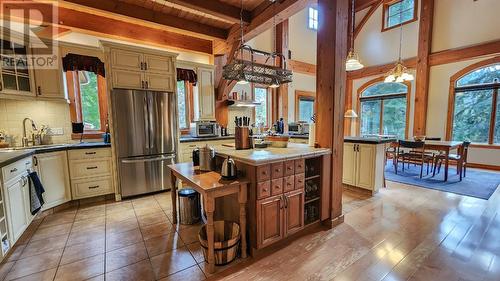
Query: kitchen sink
point(48, 146)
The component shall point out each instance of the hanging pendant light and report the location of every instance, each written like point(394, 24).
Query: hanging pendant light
point(275, 84)
point(352, 62)
point(399, 73)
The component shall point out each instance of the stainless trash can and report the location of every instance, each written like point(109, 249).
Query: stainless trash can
point(189, 206)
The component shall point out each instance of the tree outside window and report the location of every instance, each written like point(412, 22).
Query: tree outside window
point(261, 111)
point(182, 104)
point(399, 12)
point(89, 100)
point(383, 109)
point(476, 106)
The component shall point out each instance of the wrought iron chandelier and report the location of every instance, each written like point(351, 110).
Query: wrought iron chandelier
point(244, 71)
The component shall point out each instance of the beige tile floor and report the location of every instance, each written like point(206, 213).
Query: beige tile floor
point(401, 233)
point(128, 240)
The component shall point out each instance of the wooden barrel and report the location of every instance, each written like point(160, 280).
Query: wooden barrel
point(226, 241)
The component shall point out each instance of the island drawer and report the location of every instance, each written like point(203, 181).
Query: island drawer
point(299, 181)
point(263, 189)
point(277, 186)
point(300, 166)
point(289, 167)
point(288, 183)
point(277, 170)
point(263, 173)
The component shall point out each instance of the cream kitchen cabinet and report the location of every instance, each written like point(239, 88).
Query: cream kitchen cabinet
point(139, 68)
point(15, 81)
point(49, 81)
point(16, 197)
point(206, 94)
point(90, 172)
point(52, 169)
point(363, 165)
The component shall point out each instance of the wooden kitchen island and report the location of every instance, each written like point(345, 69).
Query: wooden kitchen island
point(287, 191)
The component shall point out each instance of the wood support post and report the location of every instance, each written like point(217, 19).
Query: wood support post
point(330, 91)
point(423, 66)
point(282, 92)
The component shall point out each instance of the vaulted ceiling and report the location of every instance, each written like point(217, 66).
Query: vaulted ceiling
point(197, 25)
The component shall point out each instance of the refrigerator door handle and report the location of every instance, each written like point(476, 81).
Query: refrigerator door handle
point(148, 159)
point(152, 133)
point(146, 123)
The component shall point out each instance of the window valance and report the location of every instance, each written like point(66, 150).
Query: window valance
point(72, 62)
point(187, 75)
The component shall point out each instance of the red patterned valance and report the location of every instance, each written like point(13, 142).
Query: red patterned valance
point(187, 75)
point(72, 62)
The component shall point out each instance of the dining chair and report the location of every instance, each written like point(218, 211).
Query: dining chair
point(460, 158)
point(415, 155)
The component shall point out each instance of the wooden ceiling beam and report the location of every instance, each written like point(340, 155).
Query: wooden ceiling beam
point(122, 10)
point(278, 12)
point(215, 8)
point(112, 28)
point(363, 4)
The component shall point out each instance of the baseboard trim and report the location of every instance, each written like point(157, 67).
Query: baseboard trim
point(483, 166)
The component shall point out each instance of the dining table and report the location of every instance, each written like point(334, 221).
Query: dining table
point(445, 147)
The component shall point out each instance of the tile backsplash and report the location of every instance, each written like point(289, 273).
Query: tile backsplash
point(54, 114)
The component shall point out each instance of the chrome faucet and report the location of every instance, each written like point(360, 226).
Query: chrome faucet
point(26, 141)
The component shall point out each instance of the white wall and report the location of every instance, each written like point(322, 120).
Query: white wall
point(302, 40)
point(301, 82)
point(375, 47)
point(459, 23)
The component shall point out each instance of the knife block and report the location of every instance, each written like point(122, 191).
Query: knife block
point(242, 138)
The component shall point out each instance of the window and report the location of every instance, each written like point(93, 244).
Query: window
point(475, 105)
point(183, 104)
point(262, 110)
point(312, 19)
point(399, 12)
point(304, 106)
point(383, 109)
point(88, 101)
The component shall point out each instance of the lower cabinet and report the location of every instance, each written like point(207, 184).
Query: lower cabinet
point(363, 165)
point(279, 216)
point(294, 211)
point(52, 169)
point(90, 172)
point(18, 207)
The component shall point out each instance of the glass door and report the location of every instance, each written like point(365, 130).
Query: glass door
point(15, 74)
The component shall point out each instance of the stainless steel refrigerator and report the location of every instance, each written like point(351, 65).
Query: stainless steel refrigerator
point(145, 132)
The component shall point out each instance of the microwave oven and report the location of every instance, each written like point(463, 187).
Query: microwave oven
point(204, 129)
point(299, 128)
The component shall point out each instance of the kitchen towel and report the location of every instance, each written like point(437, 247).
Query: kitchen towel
point(36, 190)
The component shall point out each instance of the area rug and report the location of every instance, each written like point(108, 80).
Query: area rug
point(477, 183)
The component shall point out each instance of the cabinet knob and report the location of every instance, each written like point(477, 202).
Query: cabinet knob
point(39, 90)
point(93, 187)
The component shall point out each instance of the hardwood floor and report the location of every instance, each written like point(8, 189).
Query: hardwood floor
point(402, 233)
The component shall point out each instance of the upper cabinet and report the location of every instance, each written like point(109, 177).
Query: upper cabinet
point(16, 76)
point(21, 79)
point(137, 68)
point(206, 93)
point(49, 82)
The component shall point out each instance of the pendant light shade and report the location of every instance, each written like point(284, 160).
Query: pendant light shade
point(274, 85)
point(350, 114)
point(352, 63)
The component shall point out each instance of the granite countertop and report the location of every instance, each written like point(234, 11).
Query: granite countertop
point(369, 140)
point(259, 156)
point(11, 155)
point(195, 139)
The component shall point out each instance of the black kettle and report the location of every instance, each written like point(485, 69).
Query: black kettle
point(196, 157)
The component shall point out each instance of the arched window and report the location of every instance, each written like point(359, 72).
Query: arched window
point(383, 108)
point(474, 103)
